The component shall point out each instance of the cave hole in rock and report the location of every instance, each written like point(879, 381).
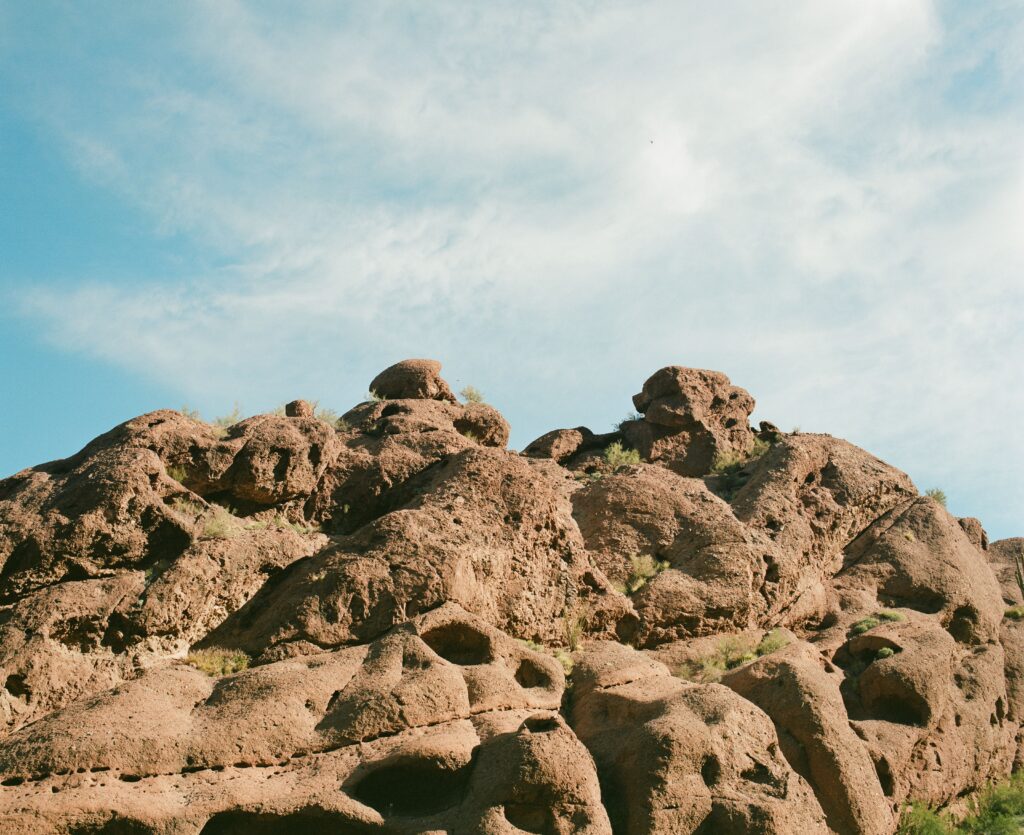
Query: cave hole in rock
point(390, 409)
point(15, 685)
point(541, 724)
point(301, 822)
point(710, 770)
point(963, 626)
point(413, 786)
point(531, 817)
point(899, 710)
point(459, 643)
point(530, 674)
point(759, 773)
point(885, 777)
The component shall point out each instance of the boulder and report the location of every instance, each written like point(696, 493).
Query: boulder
point(412, 380)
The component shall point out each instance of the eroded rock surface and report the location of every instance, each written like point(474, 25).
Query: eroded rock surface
point(766, 632)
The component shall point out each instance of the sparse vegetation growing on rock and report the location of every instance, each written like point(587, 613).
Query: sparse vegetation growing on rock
point(732, 651)
point(937, 494)
point(1015, 612)
point(471, 394)
point(877, 619)
point(997, 809)
point(219, 523)
point(217, 662)
point(617, 457)
point(643, 567)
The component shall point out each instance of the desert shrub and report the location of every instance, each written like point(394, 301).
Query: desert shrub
point(326, 415)
point(864, 624)
point(469, 435)
point(342, 425)
point(937, 494)
point(179, 474)
point(574, 621)
point(643, 568)
point(632, 416)
point(471, 394)
point(772, 642)
point(890, 615)
point(372, 397)
point(1015, 613)
point(617, 457)
point(219, 524)
point(191, 413)
point(727, 462)
point(230, 419)
point(996, 809)
point(188, 507)
point(918, 819)
point(218, 662)
point(885, 652)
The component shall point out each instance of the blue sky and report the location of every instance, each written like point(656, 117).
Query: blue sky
point(206, 203)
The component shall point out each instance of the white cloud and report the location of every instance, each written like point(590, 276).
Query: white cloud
point(558, 198)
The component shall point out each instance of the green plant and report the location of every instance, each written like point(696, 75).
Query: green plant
point(373, 397)
point(471, 394)
point(864, 624)
point(772, 642)
point(188, 507)
point(937, 494)
point(574, 621)
point(216, 661)
point(326, 415)
point(617, 457)
point(918, 819)
point(220, 524)
point(469, 435)
point(885, 652)
point(1015, 612)
point(191, 413)
point(996, 809)
point(632, 416)
point(230, 419)
point(179, 474)
point(342, 425)
point(890, 615)
point(643, 568)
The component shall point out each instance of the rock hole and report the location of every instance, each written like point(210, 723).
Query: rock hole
point(964, 625)
point(12, 781)
point(131, 778)
point(15, 685)
point(281, 465)
point(530, 674)
point(531, 817)
point(301, 822)
point(771, 574)
point(810, 478)
point(390, 409)
point(730, 423)
point(459, 643)
point(413, 787)
point(710, 770)
point(758, 773)
point(541, 724)
point(885, 777)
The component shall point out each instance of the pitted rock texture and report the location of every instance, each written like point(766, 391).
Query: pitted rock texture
point(735, 631)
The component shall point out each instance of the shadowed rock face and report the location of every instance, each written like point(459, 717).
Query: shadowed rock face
point(767, 632)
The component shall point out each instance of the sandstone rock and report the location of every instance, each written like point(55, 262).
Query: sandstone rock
point(691, 417)
point(408, 661)
point(673, 757)
point(800, 692)
point(298, 408)
point(412, 379)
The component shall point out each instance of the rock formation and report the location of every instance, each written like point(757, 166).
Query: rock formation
point(396, 625)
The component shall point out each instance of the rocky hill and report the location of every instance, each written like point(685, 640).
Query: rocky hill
point(393, 624)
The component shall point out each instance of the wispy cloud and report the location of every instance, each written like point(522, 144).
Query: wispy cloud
point(823, 200)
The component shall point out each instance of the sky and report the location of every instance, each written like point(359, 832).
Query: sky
point(210, 203)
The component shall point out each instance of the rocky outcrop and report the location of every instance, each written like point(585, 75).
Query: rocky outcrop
point(762, 632)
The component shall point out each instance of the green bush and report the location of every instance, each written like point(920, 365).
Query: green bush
point(1015, 613)
point(937, 494)
point(373, 397)
point(632, 416)
point(193, 414)
point(218, 662)
point(885, 652)
point(617, 457)
point(863, 625)
point(230, 419)
point(772, 642)
point(918, 819)
point(179, 474)
point(890, 615)
point(471, 394)
point(643, 568)
point(220, 524)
